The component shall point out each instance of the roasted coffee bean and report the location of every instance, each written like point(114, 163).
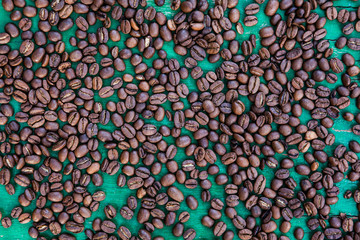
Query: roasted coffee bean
point(198, 53)
point(250, 21)
point(16, 212)
point(110, 211)
point(126, 213)
point(245, 234)
point(192, 202)
point(354, 43)
point(6, 222)
point(332, 233)
point(4, 38)
point(124, 233)
point(74, 227)
point(271, 7)
point(189, 234)
point(219, 229)
point(252, 9)
point(108, 226)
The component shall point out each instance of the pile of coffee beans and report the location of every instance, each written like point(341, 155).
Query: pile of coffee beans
point(176, 98)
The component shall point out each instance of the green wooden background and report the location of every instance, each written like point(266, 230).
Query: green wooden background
point(117, 196)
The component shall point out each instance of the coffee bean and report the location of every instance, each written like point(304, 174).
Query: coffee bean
point(192, 202)
point(252, 9)
point(197, 53)
point(272, 7)
point(189, 234)
point(259, 185)
point(108, 226)
point(250, 21)
point(110, 211)
point(354, 43)
point(6, 222)
point(24, 218)
point(245, 234)
point(124, 233)
point(16, 212)
point(4, 38)
point(332, 233)
point(74, 227)
point(219, 229)
point(331, 13)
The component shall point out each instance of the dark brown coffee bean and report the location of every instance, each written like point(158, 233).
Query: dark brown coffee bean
point(110, 211)
point(197, 53)
point(74, 227)
point(192, 202)
point(272, 7)
point(108, 226)
point(331, 13)
point(252, 9)
point(354, 43)
point(250, 21)
point(6, 222)
point(332, 233)
point(124, 233)
point(189, 234)
point(219, 229)
point(4, 38)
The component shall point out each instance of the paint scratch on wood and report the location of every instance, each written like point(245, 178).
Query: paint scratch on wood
point(337, 130)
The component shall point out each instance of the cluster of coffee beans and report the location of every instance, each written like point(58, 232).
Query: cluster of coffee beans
point(172, 97)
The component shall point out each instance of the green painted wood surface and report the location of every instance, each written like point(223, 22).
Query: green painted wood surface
point(117, 196)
